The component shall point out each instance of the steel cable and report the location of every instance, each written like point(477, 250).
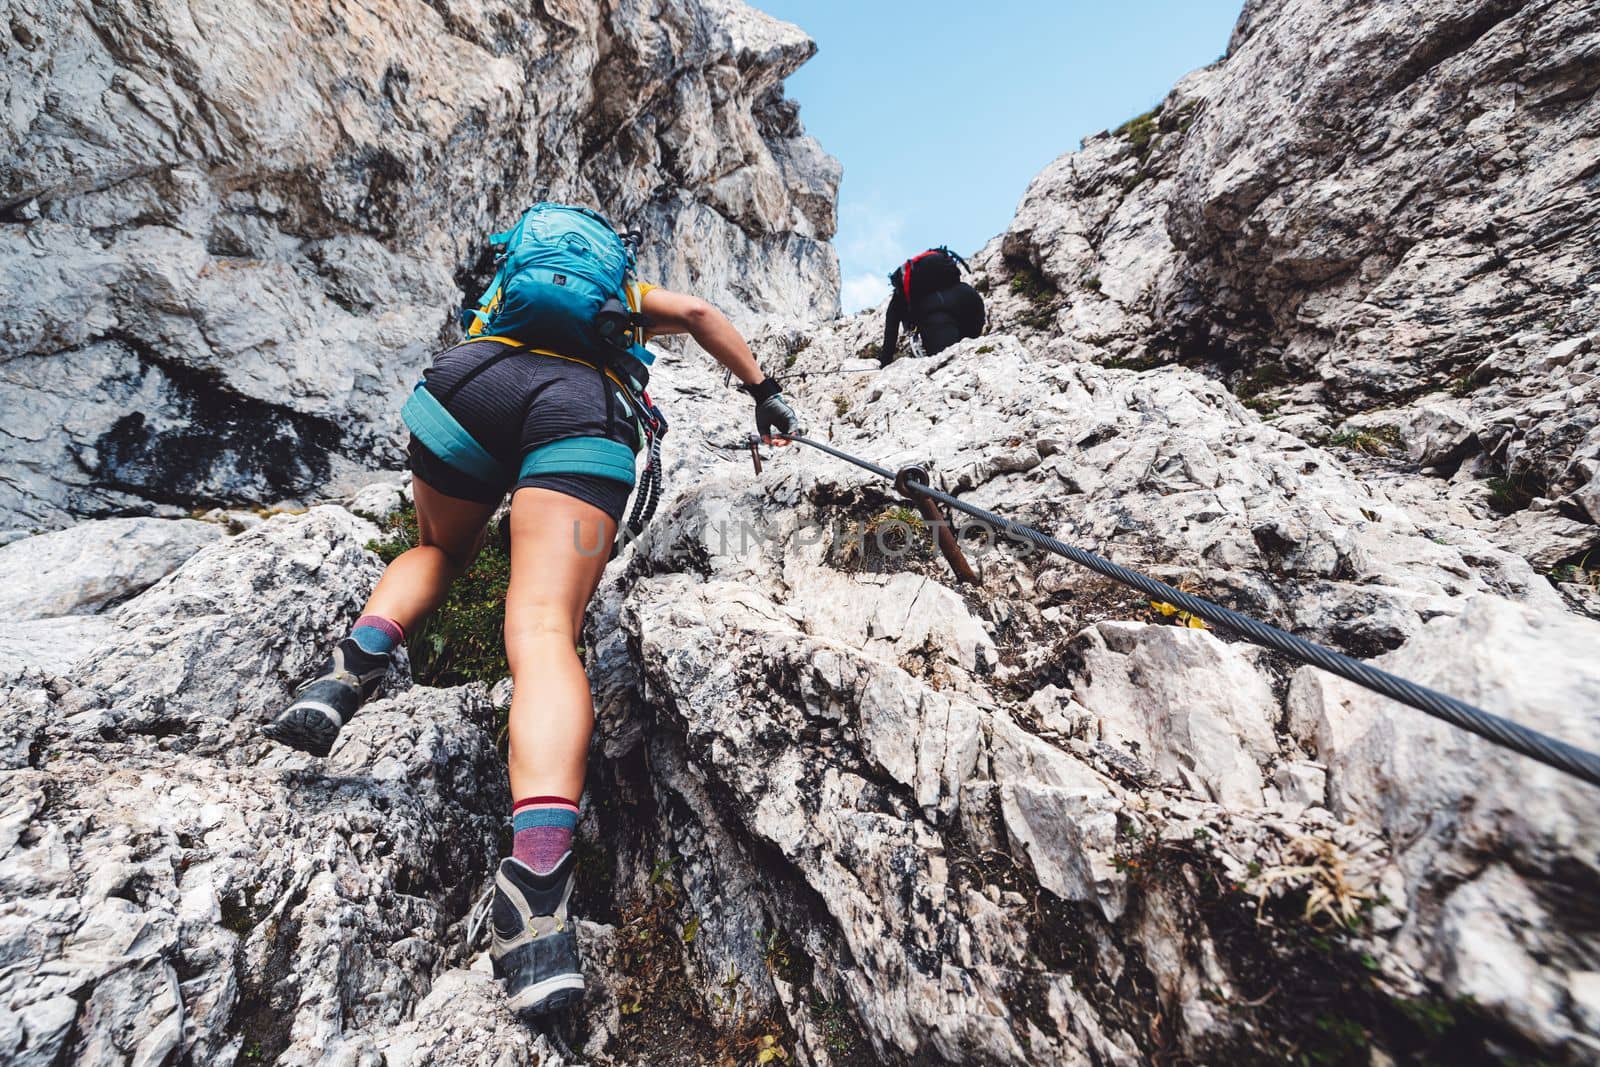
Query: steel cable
point(1458, 713)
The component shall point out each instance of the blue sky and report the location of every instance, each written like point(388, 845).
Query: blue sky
point(941, 112)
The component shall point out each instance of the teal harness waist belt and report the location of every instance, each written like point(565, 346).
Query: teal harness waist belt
point(446, 438)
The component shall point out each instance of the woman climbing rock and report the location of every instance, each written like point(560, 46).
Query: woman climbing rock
point(544, 400)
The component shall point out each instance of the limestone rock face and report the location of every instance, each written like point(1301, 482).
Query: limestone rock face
point(54, 587)
point(1360, 204)
point(175, 886)
point(1013, 847)
point(232, 234)
point(905, 820)
point(842, 806)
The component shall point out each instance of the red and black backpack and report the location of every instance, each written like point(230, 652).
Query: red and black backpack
point(926, 272)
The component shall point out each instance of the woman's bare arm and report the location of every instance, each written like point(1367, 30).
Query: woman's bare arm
point(671, 313)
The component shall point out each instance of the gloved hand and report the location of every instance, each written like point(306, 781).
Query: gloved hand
point(774, 416)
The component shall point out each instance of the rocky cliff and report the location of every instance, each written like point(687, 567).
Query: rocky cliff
point(1387, 212)
point(843, 809)
point(232, 234)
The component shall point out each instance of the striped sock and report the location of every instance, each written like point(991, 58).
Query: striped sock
point(377, 635)
point(542, 831)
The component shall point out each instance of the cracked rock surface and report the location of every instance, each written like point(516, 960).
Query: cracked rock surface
point(1035, 820)
point(262, 256)
point(1379, 208)
point(841, 805)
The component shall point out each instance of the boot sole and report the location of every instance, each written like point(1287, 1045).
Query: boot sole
point(552, 995)
point(306, 729)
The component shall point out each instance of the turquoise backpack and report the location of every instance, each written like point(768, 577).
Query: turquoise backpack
point(557, 268)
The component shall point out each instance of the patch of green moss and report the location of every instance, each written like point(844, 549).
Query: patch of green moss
point(664, 1018)
point(1373, 441)
point(464, 641)
point(1038, 318)
point(1141, 362)
point(793, 348)
point(1262, 378)
point(1040, 293)
point(1465, 384)
point(840, 1030)
point(1576, 574)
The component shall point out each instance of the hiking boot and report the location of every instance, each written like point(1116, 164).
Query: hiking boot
point(324, 704)
point(535, 948)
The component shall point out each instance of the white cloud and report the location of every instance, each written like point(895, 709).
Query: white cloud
point(871, 242)
point(862, 291)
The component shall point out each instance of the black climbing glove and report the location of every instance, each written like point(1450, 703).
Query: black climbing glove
point(773, 413)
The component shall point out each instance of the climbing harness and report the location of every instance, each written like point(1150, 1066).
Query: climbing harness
point(914, 482)
point(427, 417)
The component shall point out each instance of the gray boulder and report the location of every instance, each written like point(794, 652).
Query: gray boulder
point(80, 570)
point(190, 890)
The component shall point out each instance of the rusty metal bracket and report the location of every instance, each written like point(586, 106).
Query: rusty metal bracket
point(754, 441)
point(949, 547)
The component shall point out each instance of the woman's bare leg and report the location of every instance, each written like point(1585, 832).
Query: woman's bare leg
point(559, 548)
point(450, 532)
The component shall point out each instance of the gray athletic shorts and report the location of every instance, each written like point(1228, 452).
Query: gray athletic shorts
point(527, 410)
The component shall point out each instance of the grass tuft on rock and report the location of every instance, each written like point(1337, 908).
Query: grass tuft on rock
point(664, 1016)
point(1041, 294)
point(1577, 574)
point(1140, 131)
point(1513, 493)
point(1371, 441)
point(1032, 286)
point(1253, 389)
point(464, 640)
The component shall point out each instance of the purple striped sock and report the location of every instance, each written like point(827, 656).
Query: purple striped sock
point(377, 635)
point(542, 831)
